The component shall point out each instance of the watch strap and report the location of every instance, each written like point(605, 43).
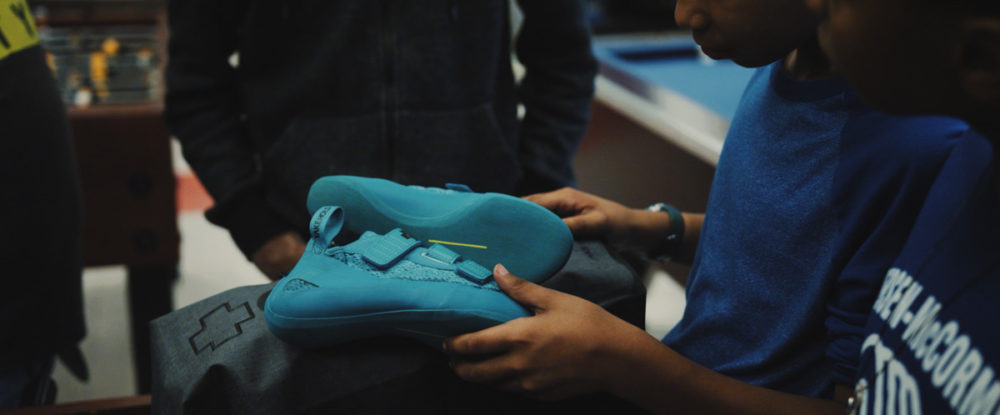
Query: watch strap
point(671, 244)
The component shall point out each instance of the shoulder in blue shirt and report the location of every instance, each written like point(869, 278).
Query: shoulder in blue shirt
point(792, 208)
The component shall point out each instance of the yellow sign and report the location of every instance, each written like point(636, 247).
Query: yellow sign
point(17, 27)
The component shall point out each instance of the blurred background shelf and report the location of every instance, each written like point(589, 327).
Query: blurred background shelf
point(104, 52)
point(107, 57)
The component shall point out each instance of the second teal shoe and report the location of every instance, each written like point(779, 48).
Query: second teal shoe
point(488, 228)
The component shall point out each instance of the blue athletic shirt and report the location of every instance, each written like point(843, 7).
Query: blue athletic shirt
point(932, 343)
point(812, 192)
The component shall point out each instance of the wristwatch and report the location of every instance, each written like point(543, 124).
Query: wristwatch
point(671, 245)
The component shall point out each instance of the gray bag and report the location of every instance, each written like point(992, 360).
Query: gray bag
point(217, 356)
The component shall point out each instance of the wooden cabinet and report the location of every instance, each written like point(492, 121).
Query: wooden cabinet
point(114, 51)
point(130, 214)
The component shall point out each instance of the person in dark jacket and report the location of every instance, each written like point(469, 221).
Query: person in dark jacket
point(266, 97)
point(41, 303)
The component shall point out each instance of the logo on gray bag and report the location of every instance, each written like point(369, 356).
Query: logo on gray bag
point(219, 326)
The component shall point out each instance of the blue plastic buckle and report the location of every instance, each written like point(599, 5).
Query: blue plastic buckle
point(389, 249)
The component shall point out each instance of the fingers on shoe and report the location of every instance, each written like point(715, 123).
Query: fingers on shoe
point(494, 340)
point(563, 202)
point(590, 223)
point(492, 370)
point(526, 293)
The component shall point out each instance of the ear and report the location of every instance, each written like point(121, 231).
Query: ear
point(979, 59)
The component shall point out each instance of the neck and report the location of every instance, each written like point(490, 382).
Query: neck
point(808, 62)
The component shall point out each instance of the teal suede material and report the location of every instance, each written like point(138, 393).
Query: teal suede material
point(488, 228)
point(386, 284)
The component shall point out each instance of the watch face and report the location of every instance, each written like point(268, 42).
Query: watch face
point(657, 207)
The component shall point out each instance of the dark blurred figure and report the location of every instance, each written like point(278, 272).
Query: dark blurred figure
point(41, 306)
point(631, 16)
point(420, 92)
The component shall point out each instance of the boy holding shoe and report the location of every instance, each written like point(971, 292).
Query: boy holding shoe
point(813, 197)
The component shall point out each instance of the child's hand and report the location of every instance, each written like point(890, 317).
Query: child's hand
point(591, 216)
point(569, 347)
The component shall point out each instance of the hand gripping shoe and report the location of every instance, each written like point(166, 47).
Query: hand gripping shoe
point(488, 228)
point(387, 284)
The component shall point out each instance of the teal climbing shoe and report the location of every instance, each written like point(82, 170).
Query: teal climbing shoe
point(389, 284)
point(488, 228)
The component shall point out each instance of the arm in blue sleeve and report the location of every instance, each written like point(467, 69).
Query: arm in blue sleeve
point(887, 166)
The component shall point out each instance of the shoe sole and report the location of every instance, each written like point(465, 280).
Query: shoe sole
point(428, 326)
point(333, 303)
point(488, 228)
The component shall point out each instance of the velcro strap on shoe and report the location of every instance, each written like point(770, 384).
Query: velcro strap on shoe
point(326, 224)
point(458, 187)
point(473, 272)
point(442, 253)
point(389, 249)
